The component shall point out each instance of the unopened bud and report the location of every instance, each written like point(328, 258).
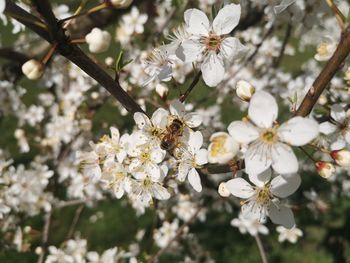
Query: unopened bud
point(27, 229)
point(244, 90)
point(33, 69)
point(98, 40)
point(341, 157)
point(322, 100)
point(161, 90)
point(223, 191)
point(325, 169)
point(120, 3)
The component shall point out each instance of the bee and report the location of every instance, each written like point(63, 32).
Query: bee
point(171, 135)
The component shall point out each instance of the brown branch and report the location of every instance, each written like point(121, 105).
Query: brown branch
point(70, 51)
point(77, 215)
point(278, 60)
point(45, 236)
point(191, 87)
point(326, 75)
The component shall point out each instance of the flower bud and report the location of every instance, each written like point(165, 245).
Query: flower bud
point(325, 50)
point(120, 3)
point(161, 90)
point(244, 90)
point(341, 157)
point(98, 40)
point(325, 169)
point(33, 69)
point(223, 191)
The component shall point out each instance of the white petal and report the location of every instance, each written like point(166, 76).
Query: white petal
point(202, 157)
point(191, 50)
point(227, 19)
point(152, 170)
point(257, 159)
point(232, 48)
point(195, 180)
point(254, 211)
point(135, 165)
point(338, 113)
point(197, 22)
point(159, 117)
point(213, 70)
point(338, 144)
point(284, 159)
point(243, 131)
point(327, 128)
point(177, 108)
point(281, 215)
point(183, 171)
point(283, 187)
point(115, 134)
point(157, 155)
point(260, 179)
point(159, 192)
point(347, 136)
point(263, 109)
point(141, 120)
point(240, 188)
point(298, 131)
point(195, 141)
point(193, 120)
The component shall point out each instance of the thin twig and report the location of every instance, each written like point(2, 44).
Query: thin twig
point(192, 85)
point(45, 236)
point(337, 13)
point(287, 35)
point(77, 215)
point(261, 249)
point(177, 235)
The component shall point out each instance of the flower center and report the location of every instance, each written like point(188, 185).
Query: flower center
point(263, 194)
point(218, 146)
point(145, 156)
point(213, 42)
point(269, 136)
point(322, 49)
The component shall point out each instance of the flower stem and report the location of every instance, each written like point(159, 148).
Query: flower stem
point(90, 11)
point(261, 249)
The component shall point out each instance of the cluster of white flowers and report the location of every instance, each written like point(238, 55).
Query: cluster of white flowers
point(136, 164)
point(200, 41)
point(75, 250)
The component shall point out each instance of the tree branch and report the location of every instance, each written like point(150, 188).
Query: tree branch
point(326, 75)
point(70, 51)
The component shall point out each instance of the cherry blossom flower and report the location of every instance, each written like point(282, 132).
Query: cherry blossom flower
point(292, 235)
point(191, 158)
point(211, 42)
point(249, 225)
point(263, 199)
point(222, 148)
point(115, 176)
point(268, 143)
point(157, 65)
point(90, 165)
point(341, 128)
point(134, 21)
point(145, 189)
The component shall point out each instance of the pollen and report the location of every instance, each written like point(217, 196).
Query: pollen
point(213, 42)
point(263, 194)
point(218, 146)
point(269, 136)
